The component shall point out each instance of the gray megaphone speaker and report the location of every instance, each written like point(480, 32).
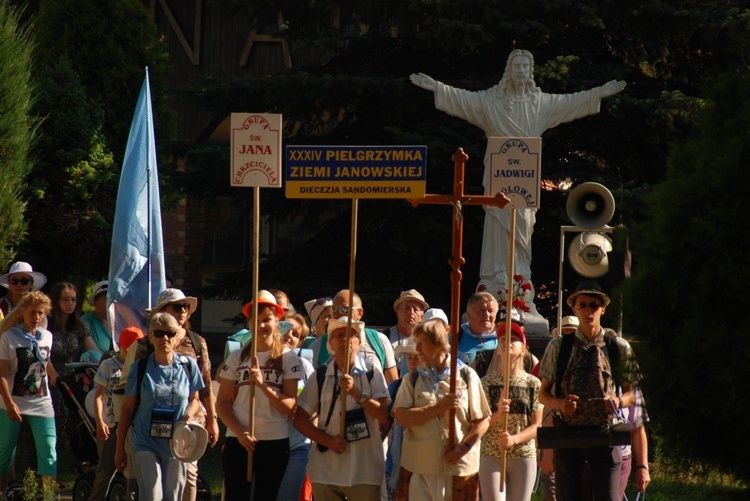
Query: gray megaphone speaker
point(587, 254)
point(590, 206)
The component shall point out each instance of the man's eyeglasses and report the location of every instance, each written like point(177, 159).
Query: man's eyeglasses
point(344, 310)
point(180, 306)
point(161, 334)
point(593, 305)
point(22, 281)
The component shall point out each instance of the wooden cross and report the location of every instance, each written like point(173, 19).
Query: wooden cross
point(458, 200)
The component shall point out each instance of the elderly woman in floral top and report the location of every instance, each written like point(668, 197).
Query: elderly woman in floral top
point(524, 417)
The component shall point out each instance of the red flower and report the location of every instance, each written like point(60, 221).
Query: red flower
point(526, 286)
point(518, 278)
point(481, 288)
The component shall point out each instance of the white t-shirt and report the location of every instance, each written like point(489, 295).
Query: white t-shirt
point(109, 375)
point(27, 376)
point(270, 424)
point(364, 461)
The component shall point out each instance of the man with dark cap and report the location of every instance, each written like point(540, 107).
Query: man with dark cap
point(577, 387)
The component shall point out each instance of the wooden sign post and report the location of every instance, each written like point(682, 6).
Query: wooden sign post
point(255, 162)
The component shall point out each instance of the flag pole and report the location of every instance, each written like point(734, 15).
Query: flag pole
point(148, 200)
point(254, 332)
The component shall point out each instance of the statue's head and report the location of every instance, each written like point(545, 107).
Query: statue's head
point(519, 68)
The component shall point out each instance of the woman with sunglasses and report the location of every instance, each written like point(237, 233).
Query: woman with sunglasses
point(275, 373)
point(71, 338)
point(24, 383)
point(188, 343)
point(20, 279)
point(168, 393)
point(71, 335)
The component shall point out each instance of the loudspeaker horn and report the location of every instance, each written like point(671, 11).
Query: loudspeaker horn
point(590, 206)
point(587, 254)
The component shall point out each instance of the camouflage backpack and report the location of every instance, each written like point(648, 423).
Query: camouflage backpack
point(589, 375)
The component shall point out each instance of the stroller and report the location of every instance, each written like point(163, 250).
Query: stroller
point(74, 388)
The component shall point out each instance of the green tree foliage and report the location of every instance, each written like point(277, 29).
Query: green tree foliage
point(17, 128)
point(108, 45)
point(72, 189)
point(688, 298)
point(350, 86)
point(89, 61)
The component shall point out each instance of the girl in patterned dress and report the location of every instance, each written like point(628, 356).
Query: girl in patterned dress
point(524, 417)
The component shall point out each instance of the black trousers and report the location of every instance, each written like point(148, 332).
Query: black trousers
point(604, 464)
point(269, 464)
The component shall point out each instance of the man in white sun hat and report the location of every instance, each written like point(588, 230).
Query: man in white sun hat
point(21, 278)
point(409, 308)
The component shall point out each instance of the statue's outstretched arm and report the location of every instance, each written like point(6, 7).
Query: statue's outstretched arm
point(423, 81)
point(611, 88)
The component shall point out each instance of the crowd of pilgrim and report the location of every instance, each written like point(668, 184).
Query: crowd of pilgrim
point(341, 411)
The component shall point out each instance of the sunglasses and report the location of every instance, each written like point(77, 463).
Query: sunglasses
point(593, 305)
point(180, 306)
point(22, 281)
point(161, 334)
point(344, 310)
point(323, 300)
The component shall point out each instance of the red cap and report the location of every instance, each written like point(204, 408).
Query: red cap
point(514, 329)
point(128, 336)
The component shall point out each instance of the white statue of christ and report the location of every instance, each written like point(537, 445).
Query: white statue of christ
point(515, 107)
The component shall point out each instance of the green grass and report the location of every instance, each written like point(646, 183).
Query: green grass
point(669, 482)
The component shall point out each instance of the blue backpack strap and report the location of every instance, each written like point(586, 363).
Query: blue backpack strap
point(373, 339)
point(323, 354)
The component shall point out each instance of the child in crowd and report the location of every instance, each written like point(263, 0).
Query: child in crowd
point(524, 416)
point(107, 379)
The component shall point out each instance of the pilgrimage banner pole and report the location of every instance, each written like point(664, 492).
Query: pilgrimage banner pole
point(506, 345)
point(352, 267)
point(254, 336)
point(255, 162)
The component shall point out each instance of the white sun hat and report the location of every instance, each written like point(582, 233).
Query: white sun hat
point(188, 441)
point(25, 268)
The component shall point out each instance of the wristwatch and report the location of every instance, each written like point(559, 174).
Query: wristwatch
point(362, 398)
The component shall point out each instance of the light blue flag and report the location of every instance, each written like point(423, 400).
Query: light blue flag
point(136, 266)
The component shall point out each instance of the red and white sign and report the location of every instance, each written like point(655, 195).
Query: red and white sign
point(256, 150)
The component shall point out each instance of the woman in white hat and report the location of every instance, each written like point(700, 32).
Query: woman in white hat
point(20, 279)
point(24, 351)
point(162, 393)
point(275, 373)
point(190, 344)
